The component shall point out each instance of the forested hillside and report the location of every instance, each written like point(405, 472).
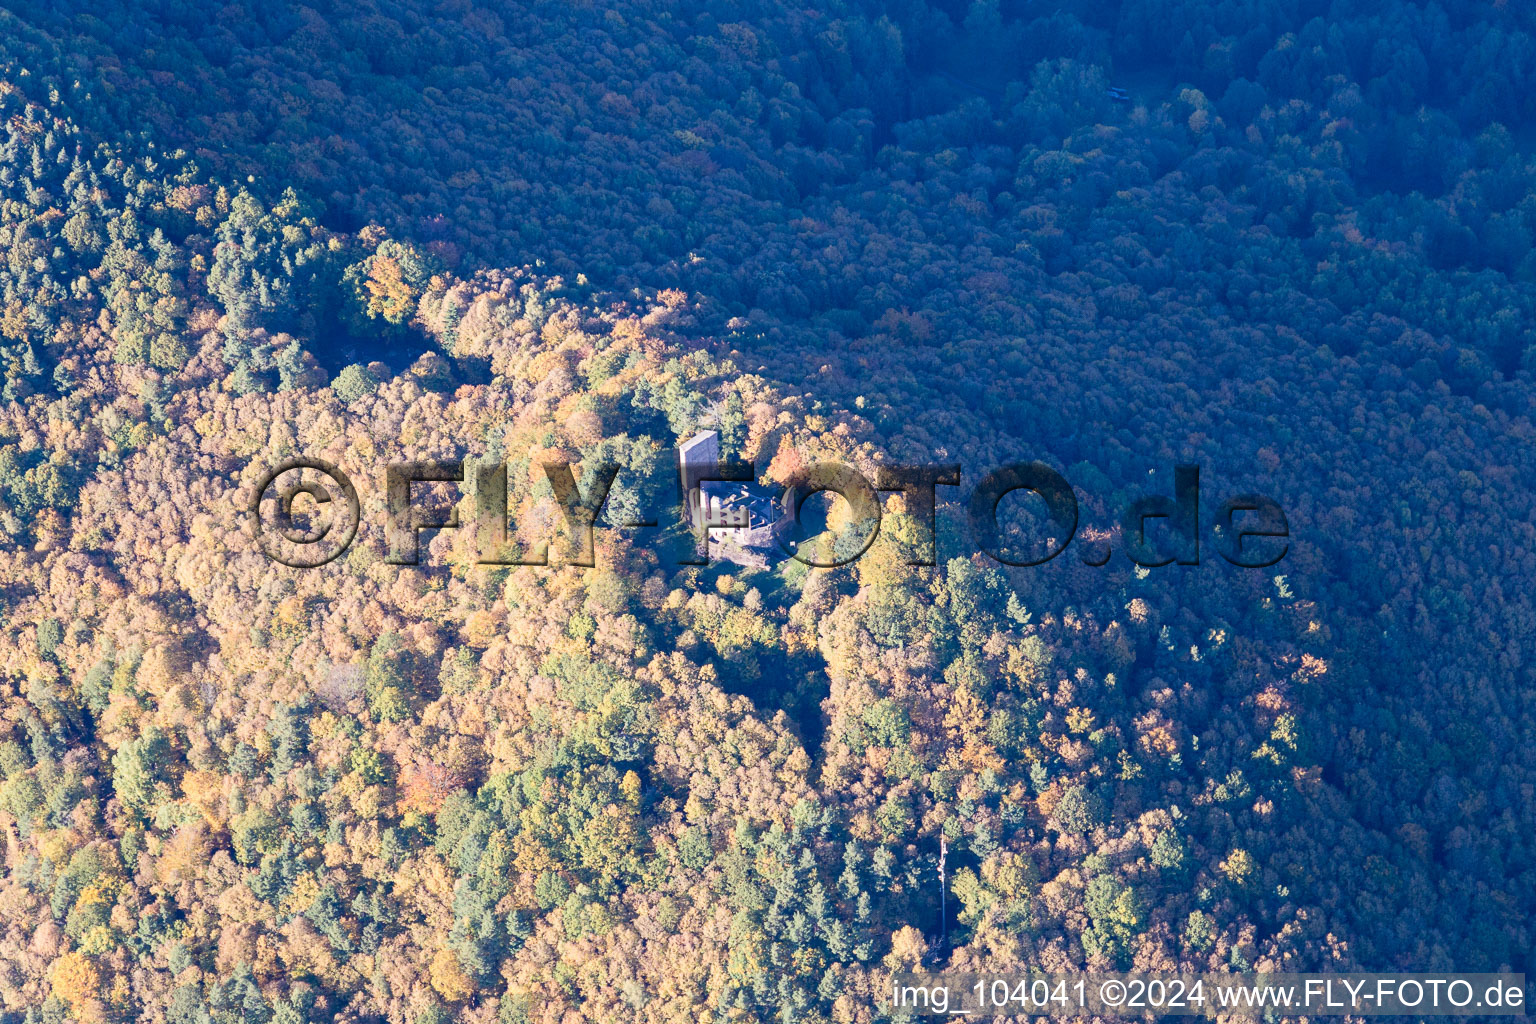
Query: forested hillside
point(1299, 255)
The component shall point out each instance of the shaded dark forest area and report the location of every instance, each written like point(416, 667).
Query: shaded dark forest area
point(1288, 241)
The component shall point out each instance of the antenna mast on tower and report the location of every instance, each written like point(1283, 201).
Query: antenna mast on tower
point(943, 892)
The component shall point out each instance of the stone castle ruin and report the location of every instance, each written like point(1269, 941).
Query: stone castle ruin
point(737, 522)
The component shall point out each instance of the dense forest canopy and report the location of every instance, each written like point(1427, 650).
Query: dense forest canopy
point(1298, 253)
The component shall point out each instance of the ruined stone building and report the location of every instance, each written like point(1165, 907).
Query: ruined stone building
point(739, 522)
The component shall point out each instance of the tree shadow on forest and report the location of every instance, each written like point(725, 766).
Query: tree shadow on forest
point(772, 678)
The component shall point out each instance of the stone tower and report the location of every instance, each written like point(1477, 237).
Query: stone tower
point(697, 458)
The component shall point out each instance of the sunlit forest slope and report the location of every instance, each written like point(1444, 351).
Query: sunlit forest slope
point(1289, 241)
